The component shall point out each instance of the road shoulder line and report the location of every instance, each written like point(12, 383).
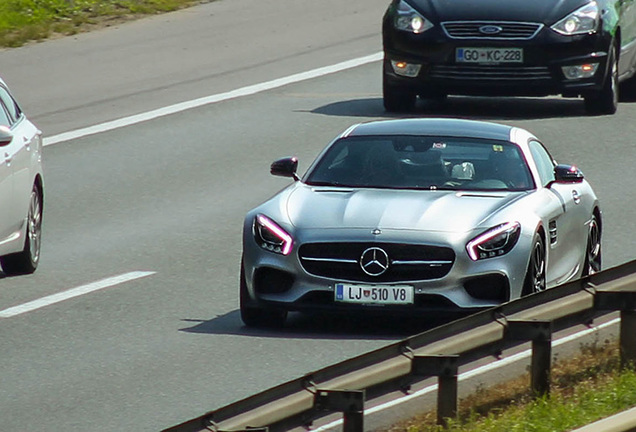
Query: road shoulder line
point(74, 292)
point(195, 103)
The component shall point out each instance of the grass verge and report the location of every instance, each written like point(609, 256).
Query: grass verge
point(584, 389)
point(23, 21)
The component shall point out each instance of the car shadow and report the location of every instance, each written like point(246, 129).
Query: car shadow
point(319, 326)
point(479, 108)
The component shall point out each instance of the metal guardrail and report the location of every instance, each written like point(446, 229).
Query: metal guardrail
point(622, 422)
point(345, 386)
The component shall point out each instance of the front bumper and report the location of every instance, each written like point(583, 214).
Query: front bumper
point(283, 282)
point(540, 73)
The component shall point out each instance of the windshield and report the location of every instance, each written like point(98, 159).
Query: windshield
point(422, 162)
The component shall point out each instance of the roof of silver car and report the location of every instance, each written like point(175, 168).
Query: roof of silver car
point(434, 127)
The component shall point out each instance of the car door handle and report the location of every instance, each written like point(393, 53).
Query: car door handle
point(576, 197)
point(7, 158)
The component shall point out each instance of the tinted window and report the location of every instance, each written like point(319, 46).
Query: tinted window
point(10, 105)
point(422, 163)
point(4, 117)
point(545, 163)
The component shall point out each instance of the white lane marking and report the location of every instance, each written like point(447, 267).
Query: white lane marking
point(244, 91)
point(74, 292)
point(475, 372)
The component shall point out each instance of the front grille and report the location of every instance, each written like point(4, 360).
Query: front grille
point(490, 73)
point(492, 30)
point(407, 262)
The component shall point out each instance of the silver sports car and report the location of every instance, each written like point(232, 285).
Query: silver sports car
point(418, 216)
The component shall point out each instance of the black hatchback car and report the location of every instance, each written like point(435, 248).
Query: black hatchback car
point(574, 48)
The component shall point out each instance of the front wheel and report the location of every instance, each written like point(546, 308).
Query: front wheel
point(627, 90)
point(593, 253)
point(26, 261)
point(606, 100)
point(535, 276)
point(397, 99)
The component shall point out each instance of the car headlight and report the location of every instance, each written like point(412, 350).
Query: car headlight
point(495, 242)
point(581, 21)
point(270, 236)
point(408, 19)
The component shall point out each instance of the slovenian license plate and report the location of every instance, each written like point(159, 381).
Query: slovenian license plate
point(374, 294)
point(489, 55)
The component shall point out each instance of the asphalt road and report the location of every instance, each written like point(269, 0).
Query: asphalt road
point(167, 196)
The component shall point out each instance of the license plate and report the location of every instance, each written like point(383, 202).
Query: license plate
point(489, 55)
point(374, 294)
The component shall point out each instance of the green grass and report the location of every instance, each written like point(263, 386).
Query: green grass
point(23, 21)
point(589, 402)
point(584, 389)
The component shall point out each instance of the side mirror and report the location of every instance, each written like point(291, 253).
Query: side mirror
point(567, 174)
point(285, 167)
point(6, 136)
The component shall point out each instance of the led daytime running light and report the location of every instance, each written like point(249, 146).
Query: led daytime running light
point(473, 245)
point(278, 232)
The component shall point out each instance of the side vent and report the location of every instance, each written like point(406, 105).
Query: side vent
point(553, 232)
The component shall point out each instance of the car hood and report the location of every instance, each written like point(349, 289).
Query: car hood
point(542, 11)
point(444, 211)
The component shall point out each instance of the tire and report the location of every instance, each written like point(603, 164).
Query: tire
point(255, 316)
point(397, 99)
point(627, 90)
point(593, 250)
point(605, 101)
point(535, 276)
point(26, 262)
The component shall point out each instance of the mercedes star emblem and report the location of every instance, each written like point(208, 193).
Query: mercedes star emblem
point(374, 261)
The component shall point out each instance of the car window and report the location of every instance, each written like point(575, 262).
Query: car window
point(4, 116)
point(11, 107)
point(416, 162)
point(545, 163)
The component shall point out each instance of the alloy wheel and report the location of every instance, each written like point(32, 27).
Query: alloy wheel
point(34, 227)
point(593, 259)
point(537, 267)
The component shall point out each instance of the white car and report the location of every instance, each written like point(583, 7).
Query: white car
point(21, 188)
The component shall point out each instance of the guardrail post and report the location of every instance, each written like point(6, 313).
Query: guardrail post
point(540, 333)
point(628, 338)
point(445, 368)
point(349, 402)
point(625, 302)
